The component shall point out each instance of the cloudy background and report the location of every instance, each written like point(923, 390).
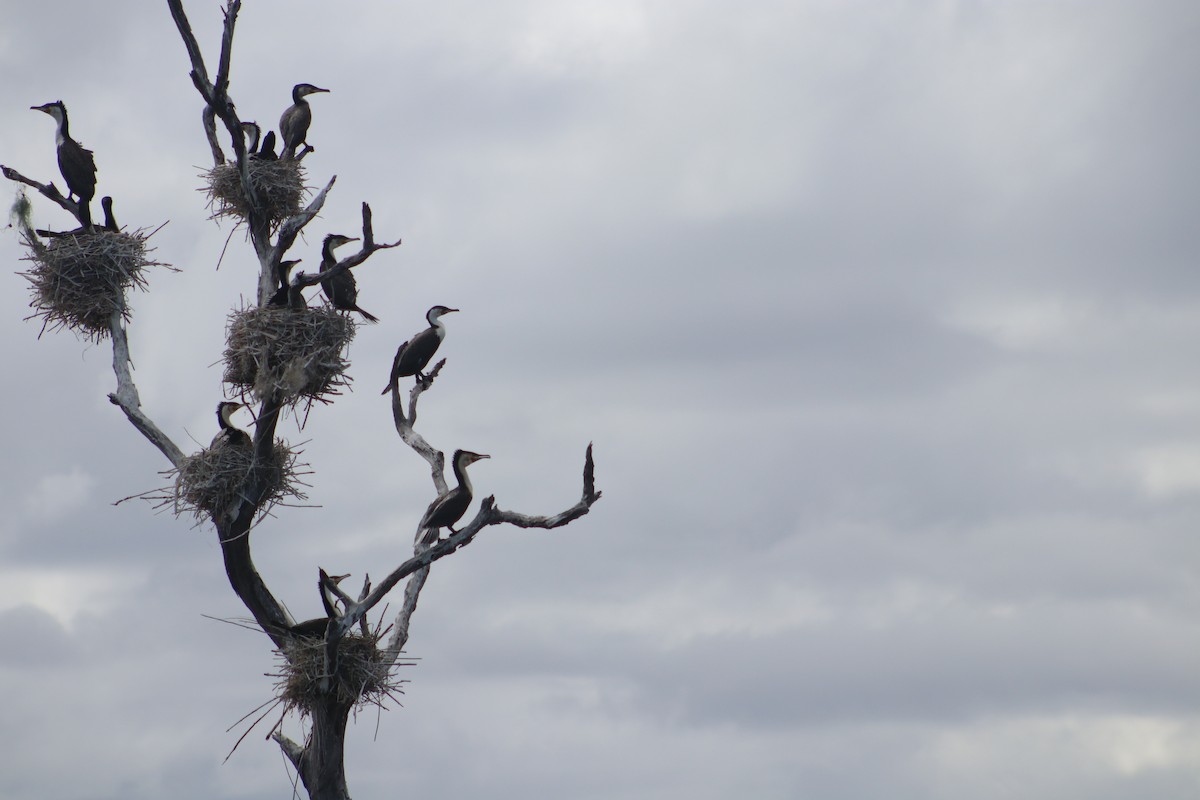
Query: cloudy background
point(882, 317)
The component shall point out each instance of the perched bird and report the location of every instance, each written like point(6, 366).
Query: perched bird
point(282, 294)
point(75, 162)
point(413, 356)
point(293, 125)
point(110, 222)
point(341, 289)
point(449, 508)
point(295, 295)
point(315, 628)
point(267, 151)
point(229, 434)
point(251, 133)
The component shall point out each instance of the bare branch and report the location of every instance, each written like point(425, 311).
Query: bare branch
point(292, 226)
point(488, 515)
point(48, 190)
point(126, 395)
point(293, 751)
point(199, 72)
point(231, 12)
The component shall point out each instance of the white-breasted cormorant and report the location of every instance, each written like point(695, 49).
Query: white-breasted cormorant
point(229, 434)
point(75, 162)
point(251, 133)
point(110, 222)
point(293, 125)
point(413, 356)
point(449, 508)
point(341, 289)
point(282, 294)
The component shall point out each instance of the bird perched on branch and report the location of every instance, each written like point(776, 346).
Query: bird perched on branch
point(415, 354)
point(75, 162)
point(449, 508)
point(341, 289)
point(293, 125)
point(229, 434)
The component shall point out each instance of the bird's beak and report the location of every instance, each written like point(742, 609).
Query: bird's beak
point(447, 311)
point(39, 108)
point(319, 90)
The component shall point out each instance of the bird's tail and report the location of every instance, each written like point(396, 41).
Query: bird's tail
point(366, 316)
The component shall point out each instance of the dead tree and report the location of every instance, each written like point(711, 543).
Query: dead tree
point(338, 662)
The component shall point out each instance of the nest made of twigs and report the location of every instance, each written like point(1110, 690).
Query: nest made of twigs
point(286, 353)
point(363, 674)
point(211, 481)
point(278, 185)
point(79, 280)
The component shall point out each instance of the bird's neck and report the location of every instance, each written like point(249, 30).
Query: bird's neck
point(460, 472)
point(439, 328)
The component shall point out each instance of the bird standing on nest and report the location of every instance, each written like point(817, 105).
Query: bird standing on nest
point(415, 354)
point(282, 295)
point(449, 508)
point(341, 289)
point(229, 435)
point(293, 125)
point(75, 162)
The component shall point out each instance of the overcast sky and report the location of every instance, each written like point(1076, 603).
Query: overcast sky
point(883, 317)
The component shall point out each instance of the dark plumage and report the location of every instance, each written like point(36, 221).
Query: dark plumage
point(293, 125)
point(110, 222)
point(75, 162)
point(415, 354)
point(449, 508)
point(229, 434)
point(280, 298)
point(341, 289)
point(267, 151)
point(315, 628)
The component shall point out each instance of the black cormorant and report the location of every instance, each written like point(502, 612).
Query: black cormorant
point(293, 125)
point(315, 628)
point(110, 222)
point(229, 434)
point(282, 294)
point(412, 356)
point(341, 289)
point(75, 162)
point(295, 297)
point(267, 151)
point(449, 508)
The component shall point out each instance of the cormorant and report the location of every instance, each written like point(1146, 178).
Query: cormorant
point(267, 151)
point(229, 434)
point(110, 222)
point(412, 356)
point(251, 133)
point(342, 289)
point(293, 125)
point(449, 508)
point(75, 162)
point(295, 296)
point(315, 628)
point(280, 298)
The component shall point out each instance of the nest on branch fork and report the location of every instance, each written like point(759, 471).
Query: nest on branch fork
point(209, 482)
point(288, 354)
point(278, 186)
point(79, 279)
point(363, 674)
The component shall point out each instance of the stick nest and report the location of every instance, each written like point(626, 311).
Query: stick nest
point(210, 482)
point(363, 673)
point(288, 353)
point(79, 280)
point(278, 185)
